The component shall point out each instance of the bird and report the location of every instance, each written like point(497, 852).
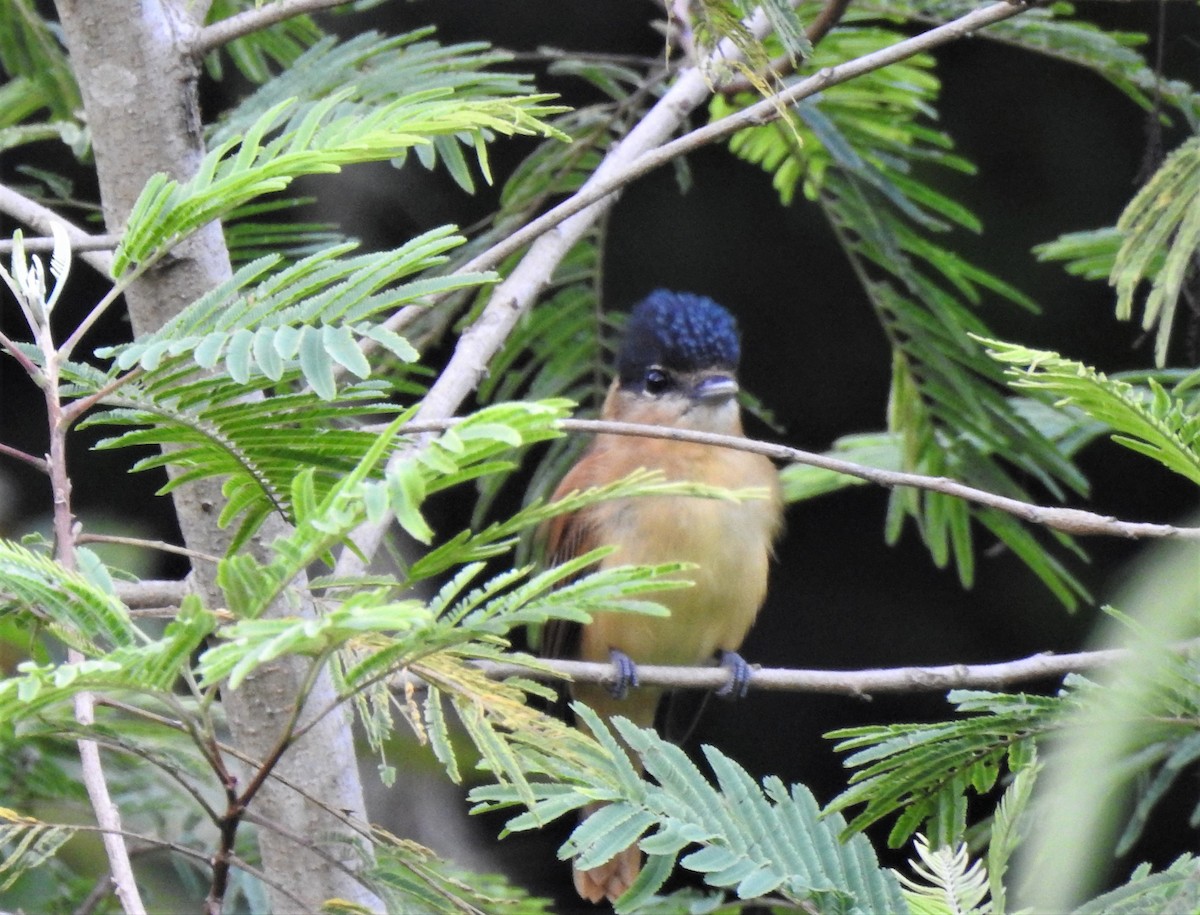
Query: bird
point(677, 367)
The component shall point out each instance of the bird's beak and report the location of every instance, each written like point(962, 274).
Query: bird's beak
point(715, 389)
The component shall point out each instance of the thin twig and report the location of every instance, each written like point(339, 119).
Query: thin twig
point(33, 460)
point(1068, 520)
point(108, 817)
point(160, 545)
point(187, 852)
point(254, 20)
point(28, 366)
point(830, 15)
point(248, 760)
point(41, 218)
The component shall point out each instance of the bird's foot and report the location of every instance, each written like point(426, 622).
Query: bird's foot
point(739, 676)
point(625, 675)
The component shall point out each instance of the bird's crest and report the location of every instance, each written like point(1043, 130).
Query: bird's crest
point(678, 330)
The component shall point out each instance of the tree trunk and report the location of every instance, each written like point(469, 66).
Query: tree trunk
point(139, 85)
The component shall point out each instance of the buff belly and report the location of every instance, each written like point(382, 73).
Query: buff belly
point(729, 542)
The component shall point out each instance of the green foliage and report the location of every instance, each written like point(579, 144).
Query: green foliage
point(255, 445)
point(1149, 420)
point(26, 843)
point(36, 63)
point(151, 666)
point(315, 139)
point(369, 71)
point(924, 771)
point(312, 315)
point(1007, 832)
point(1154, 241)
point(260, 54)
point(948, 881)
point(410, 878)
point(753, 839)
point(80, 612)
point(856, 150)
point(1160, 232)
point(1175, 889)
point(248, 236)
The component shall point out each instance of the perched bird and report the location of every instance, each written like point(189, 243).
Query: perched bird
point(676, 367)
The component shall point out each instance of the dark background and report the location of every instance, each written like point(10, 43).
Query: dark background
point(1058, 149)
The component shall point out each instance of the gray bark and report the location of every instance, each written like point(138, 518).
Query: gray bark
point(139, 91)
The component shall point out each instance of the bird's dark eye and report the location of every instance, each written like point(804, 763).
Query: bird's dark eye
point(657, 381)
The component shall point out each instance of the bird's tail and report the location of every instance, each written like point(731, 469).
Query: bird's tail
point(612, 878)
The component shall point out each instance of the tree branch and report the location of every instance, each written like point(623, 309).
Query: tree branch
point(246, 23)
point(146, 594)
point(33, 214)
point(858, 683)
point(625, 163)
point(35, 462)
point(44, 244)
point(161, 545)
point(1068, 520)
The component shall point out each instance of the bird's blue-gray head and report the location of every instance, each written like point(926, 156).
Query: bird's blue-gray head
point(678, 331)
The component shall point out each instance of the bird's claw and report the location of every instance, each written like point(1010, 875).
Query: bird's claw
point(625, 676)
point(738, 683)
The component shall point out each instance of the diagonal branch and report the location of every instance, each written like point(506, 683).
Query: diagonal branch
point(41, 218)
point(624, 164)
point(254, 20)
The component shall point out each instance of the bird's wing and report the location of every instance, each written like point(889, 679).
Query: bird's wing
point(565, 537)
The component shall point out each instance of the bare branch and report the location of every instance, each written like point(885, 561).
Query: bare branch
point(107, 816)
point(146, 594)
point(857, 683)
point(161, 545)
point(830, 15)
point(33, 214)
point(1068, 520)
point(44, 244)
point(245, 23)
point(35, 462)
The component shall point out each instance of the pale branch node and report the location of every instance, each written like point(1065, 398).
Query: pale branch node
point(41, 218)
